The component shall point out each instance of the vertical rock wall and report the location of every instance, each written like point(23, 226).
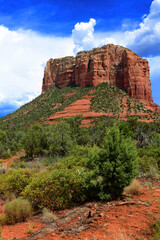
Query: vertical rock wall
point(113, 64)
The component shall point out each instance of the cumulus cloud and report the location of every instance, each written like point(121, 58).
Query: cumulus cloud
point(146, 39)
point(82, 35)
point(85, 39)
point(22, 60)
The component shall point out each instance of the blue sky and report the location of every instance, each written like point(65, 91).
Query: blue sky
point(32, 31)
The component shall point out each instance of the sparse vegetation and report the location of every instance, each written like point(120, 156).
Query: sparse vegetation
point(30, 228)
point(133, 189)
point(156, 230)
point(18, 210)
point(48, 216)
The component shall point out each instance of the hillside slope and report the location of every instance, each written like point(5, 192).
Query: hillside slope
point(55, 103)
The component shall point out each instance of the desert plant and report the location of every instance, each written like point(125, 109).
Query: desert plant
point(30, 228)
point(111, 168)
point(48, 216)
point(15, 181)
point(133, 189)
point(34, 141)
point(17, 210)
point(156, 230)
point(2, 220)
point(58, 189)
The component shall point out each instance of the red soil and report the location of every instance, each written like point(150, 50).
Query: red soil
point(7, 162)
point(82, 106)
point(19, 230)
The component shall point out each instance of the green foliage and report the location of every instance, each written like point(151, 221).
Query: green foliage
point(58, 189)
point(35, 141)
point(18, 210)
point(15, 181)
point(111, 168)
point(59, 139)
point(79, 134)
point(149, 161)
point(156, 230)
point(3, 220)
point(42, 107)
point(77, 158)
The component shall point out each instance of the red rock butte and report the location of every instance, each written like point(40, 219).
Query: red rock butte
point(111, 63)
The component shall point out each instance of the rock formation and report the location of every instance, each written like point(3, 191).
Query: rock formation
point(113, 64)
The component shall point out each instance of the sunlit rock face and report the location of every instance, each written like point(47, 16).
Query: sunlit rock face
point(113, 64)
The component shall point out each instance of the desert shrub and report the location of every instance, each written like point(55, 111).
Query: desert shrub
point(30, 228)
point(48, 216)
point(156, 230)
point(18, 164)
point(58, 189)
point(133, 189)
point(15, 181)
point(111, 168)
point(59, 139)
point(34, 141)
point(78, 156)
point(2, 220)
point(149, 161)
point(148, 166)
point(5, 155)
point(17, 210)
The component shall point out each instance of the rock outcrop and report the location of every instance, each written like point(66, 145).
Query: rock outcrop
point(113, 64)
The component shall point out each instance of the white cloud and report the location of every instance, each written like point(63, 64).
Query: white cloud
point(22, 59)
point(1, 97)
point(82, 35)
point(146, 39)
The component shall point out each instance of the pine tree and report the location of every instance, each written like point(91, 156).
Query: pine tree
point(113, 167)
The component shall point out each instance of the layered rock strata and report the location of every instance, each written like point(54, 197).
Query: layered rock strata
point(112, 64)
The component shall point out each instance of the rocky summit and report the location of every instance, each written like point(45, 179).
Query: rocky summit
point(113, 64)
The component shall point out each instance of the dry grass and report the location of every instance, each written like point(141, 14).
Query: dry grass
point(120, 234)
point(134, 189)
point(17, 210)
point(48, 216)
point(30, 228)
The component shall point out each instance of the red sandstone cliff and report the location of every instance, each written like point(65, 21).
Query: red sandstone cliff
point(113, 64)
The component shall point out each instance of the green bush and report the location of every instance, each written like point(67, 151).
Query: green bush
point(5, 155)
point(58, 189)
point(15, 181)
point(3, 220)
point(59, 139)
point(156, 230)
point(148, 166)
point(111, 168)
point(17, 210)
point(34, 141)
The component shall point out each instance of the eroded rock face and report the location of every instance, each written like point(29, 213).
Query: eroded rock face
point(113, 64)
